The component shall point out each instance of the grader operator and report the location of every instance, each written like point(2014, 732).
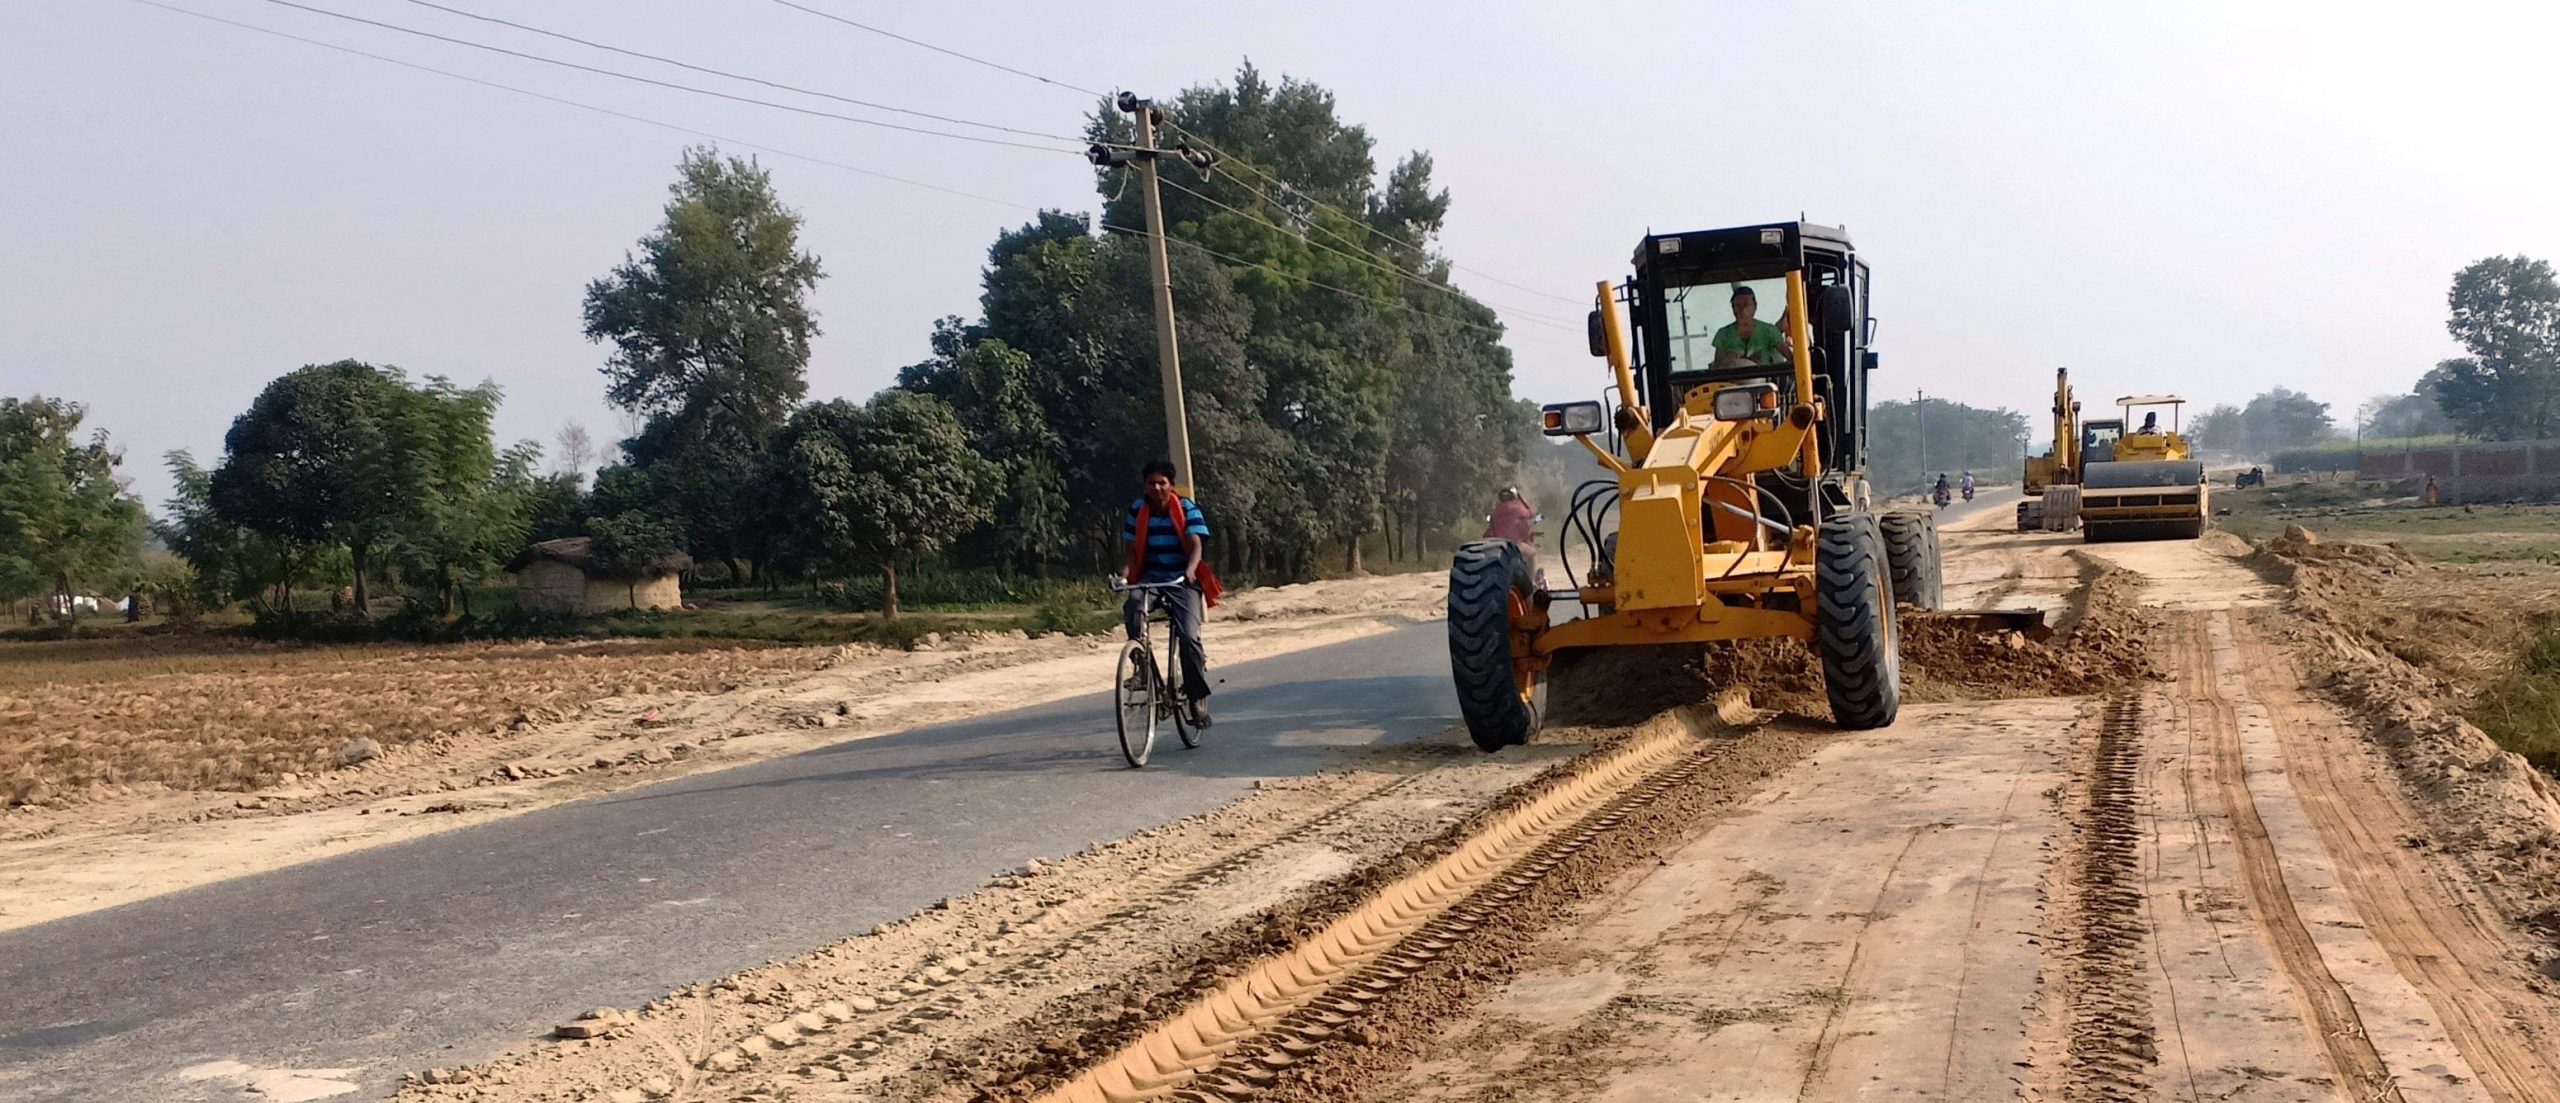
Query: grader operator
point(1737, 447)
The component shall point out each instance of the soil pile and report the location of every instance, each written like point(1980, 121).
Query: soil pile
point(2099, 649)
point(2404, 646)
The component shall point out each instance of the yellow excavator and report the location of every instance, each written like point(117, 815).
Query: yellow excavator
point(2052, 480)
point(1736, 505)
point(2141, 483)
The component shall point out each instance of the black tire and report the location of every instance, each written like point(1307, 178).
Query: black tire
point(1487, 580)
point(1854, 624)
point(1911, 550)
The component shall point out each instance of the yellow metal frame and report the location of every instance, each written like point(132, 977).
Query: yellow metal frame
point(1688, 568)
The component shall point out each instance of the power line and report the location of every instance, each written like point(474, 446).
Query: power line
point(1286, 274)
point(939, 50)
point(1372, 261)
point(678, 128)
point(740, 76)
point(1292, 189)
point(716, 94)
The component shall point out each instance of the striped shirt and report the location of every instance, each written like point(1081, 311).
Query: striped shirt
point(1165, 560)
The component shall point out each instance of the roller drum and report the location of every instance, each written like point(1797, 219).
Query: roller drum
point(2145, 473)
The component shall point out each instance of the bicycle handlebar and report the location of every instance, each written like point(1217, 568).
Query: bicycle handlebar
point(1122, 586)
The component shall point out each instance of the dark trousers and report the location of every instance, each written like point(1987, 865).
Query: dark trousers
point(1181, 605)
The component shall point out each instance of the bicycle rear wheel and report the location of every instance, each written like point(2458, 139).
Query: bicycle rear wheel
point(1133, 692)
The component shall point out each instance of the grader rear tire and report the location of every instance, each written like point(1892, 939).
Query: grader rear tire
point(1911, 550)
point(1489, 584)
point(1854, 625)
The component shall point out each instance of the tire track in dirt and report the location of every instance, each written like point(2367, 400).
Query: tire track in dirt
point(2447, 946)
point(2099, 991)
point(850, 1015)
point(2329, 1011)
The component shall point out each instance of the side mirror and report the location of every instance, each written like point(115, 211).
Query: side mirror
point(1598, 333)
point(1870, 358)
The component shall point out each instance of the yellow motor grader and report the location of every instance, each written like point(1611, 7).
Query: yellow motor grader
point(1737, 506)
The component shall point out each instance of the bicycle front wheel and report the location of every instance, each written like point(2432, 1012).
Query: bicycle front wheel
point(1134, 691)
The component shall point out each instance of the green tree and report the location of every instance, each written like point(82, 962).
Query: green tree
point(2506, 312)
point(229, 561)
point(710, 325)
point(2220, 429)
point(2399, 416)
point(1912, 443)
point(892, 480)
point(2284, 418)
point(459, 507)
point(304, 465)
point(66, 519)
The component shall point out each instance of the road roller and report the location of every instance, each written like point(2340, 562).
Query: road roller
point(2144, 484)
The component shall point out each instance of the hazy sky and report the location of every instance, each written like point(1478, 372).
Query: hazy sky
point(2203, 198)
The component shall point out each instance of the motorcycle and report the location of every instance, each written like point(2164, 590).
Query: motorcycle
point(1942, 497)
point(1968, 494)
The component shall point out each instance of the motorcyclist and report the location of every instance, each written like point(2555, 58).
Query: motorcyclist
point(1941, 493)
point(1968, 486)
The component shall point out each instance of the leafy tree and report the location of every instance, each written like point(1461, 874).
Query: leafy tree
point(2220, 429)
point(304, 465)
point(65, 517)
point(893, 479)
point(461, 506)
point(2285, 418)
point(229, 561)
point(1958, 438)
point(710, 325)
point(2397, 416)
point(2506, 312)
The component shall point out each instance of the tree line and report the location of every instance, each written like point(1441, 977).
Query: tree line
point(1340, 403)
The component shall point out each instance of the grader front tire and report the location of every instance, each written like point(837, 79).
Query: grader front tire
point(1490, 586)
point(1854, 623)
point(1911, 550)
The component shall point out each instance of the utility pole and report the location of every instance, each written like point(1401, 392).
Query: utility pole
point(1920, 409)
point(1159, 271)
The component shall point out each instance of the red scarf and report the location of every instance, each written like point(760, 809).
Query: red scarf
point(1210, 589)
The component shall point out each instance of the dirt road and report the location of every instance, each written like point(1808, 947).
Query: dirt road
point(2203, 888)
point(2201, 882)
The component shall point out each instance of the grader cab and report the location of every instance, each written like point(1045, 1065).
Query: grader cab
point(1737, 505)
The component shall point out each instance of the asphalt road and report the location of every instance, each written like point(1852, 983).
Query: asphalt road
point(449, 949)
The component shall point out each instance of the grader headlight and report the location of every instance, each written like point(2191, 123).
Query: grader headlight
point(1570, 419)
point(1744, 403)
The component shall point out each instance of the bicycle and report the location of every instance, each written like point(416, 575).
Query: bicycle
point(1142, 695)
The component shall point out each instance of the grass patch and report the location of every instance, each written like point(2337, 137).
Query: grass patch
point(2522, 710)
point(2339, 510)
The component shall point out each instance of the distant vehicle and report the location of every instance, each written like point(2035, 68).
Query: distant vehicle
point(2255, 476)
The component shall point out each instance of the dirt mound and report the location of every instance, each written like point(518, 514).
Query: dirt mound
point(2403, 645)
point(2100, 648)
point(2298, 545)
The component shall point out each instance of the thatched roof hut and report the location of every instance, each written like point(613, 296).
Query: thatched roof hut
point(566, 576)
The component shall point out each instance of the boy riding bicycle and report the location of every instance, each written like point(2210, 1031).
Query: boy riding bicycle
point(1168, 550)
